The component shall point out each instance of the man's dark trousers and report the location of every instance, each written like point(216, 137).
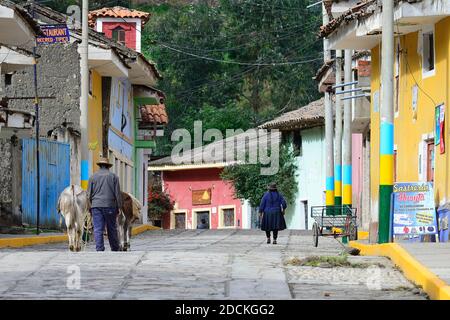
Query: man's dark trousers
point(108, 217)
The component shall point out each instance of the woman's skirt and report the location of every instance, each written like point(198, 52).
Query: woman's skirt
point(272, 221)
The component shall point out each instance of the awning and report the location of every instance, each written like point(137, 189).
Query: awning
point(13, 59)
point(15, 29)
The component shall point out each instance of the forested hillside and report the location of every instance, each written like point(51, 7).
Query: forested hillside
point(237, 64)
point(233, 64)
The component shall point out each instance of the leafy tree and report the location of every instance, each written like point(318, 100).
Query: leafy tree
point(237, 63)
point(250, 184)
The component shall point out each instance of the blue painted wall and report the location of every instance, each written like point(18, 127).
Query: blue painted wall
point(54, 178)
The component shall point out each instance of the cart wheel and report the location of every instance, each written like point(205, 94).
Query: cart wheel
point(352, 232)
point(315, 234)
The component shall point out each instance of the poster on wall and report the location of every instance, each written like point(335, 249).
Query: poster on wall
point(200, 197)
point(413, 210)
point(437, 125)
point(441, 128)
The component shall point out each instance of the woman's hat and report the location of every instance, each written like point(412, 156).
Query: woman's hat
point(273, 186)
point(104, 162)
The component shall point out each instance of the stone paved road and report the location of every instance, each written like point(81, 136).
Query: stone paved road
point(194, 264)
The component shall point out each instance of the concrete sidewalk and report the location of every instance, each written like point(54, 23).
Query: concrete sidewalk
point(434, 256)
point(425, 264)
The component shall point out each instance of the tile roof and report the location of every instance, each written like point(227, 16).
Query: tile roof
point(225, 150)
point(152, 114)
point(363, 9)
point(308, 116)
point(117, 12)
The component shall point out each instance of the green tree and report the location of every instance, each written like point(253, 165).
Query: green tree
point(239, 63)
point(250, 184)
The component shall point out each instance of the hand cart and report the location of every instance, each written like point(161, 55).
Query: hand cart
point(328, 219)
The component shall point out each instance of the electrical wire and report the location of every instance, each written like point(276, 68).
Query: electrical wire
point(411, 73)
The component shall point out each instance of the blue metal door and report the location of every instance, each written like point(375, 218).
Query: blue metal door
point(54, 176)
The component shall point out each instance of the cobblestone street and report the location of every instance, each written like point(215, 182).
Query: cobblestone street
point(194, 264)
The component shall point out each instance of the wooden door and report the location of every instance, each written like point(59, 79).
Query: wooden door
point(180, 221)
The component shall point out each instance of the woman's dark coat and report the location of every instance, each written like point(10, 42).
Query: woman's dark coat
point(272, 204)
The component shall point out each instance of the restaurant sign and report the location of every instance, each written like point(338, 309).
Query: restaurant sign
point(54, 33)
point(413, 209)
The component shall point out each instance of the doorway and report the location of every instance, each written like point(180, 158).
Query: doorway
point(203, 219)
point(180, 220)
point(305, 208)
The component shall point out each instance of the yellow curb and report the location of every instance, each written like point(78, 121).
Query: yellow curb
point(363, 235)
point(142, 228)
point(32, 241)
point(435, 287)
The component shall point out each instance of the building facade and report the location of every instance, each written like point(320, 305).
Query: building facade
point(421, 93)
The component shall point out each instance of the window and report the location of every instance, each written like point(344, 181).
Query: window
point(228, 217)
point(297, 142)
point(8, 79)
point(90, 83)
point(397, 79)
point(428, 52)
point(118, 34)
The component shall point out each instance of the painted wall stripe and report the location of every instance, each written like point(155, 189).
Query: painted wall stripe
point(337, 188)
point(347, 174)
point(386, 170)
point(387, 138)
point(347, 199)
point(84, 169)
point(330, 183)
point(338, 172)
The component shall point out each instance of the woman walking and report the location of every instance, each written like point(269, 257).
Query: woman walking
point(271, 212)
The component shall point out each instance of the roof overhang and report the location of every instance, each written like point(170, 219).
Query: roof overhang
point(106, 62)
point(409, 17)
point(141, 72)
point(188, 166)
point(13, 59)
point(14, 29)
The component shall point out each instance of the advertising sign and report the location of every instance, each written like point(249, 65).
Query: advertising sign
point(200, 197)
point(413, 209)
point(441, 128)
point(54, 33)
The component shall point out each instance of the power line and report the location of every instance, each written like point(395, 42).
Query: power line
point(238, 62)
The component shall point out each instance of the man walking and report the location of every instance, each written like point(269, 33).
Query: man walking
point(105, 197)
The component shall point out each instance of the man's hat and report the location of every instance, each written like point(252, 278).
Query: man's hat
point(273, 186)
point(104, 162)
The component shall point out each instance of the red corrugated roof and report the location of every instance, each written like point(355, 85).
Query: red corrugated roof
point(118, 12)
point(154, 114)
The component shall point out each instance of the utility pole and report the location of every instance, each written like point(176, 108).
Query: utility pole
point(338, 134)
point(84, 96)
point(386, 122)
point(347, 135)
point(36, 108)
point(329, 130)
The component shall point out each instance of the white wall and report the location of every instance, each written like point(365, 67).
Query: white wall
point(310, 178)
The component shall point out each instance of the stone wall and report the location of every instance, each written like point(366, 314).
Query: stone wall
point(10, 181)
point(58, 77)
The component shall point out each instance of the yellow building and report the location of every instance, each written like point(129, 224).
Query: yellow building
point(421, 84)
point(95, 119)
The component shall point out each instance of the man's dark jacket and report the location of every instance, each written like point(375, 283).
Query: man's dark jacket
point(104, 190)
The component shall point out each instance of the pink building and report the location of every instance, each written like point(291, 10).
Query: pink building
point(200, 193)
